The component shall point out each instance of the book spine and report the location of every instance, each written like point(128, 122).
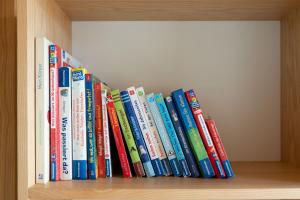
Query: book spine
point(90, 127)
point(137, 134)
point(42, 126)
point(172, 133)
point(65, 109)
point(107, 153)
point(55, 63)
point(204, 133)
point(192, 133)
point(211, 125)
point(182, 138)
point(177, 171)
point(156, 138)
point(79, 124)
point(147, 135)
point(131, 146)
point(118, 137)
point(99, 130)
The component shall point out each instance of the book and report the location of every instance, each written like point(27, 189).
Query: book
point(204, 133)
point(134, 124)
point(129, 139)
point(211, 125)
point(90, 127)
point(182, 138)
point(172, 133)
point(65, 110)
point(42, 126)
point(176, 169)
point(156, 138)
point(107, 153)
point(147, 135)
point(193, 135)
point(118, 137)
point(79, 124)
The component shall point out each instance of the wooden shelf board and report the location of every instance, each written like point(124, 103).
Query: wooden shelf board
point(254, 180)
point(83, 10)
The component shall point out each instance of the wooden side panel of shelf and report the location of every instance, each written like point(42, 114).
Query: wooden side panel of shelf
point(290, 88)
point(8, 100)
point(35, 18)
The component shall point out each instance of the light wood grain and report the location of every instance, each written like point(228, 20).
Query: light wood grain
point(8, 100)
point(255, 180)
point(290, 88)
point(80, 10)
point(36, 18)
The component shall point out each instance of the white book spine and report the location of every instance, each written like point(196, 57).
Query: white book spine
point(42, 125)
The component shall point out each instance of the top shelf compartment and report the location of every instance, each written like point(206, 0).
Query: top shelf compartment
point(90, 10)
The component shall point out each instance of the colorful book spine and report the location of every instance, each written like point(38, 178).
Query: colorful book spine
point(107, 153)
point(99, 130)
point(182, 138)
point(204, 133)
point(211, 125)
point(172, 133)
point(137, 134)
point(147, 135)
point(90, 127)
point(65, 110)
point(176, 169)
point(131, 146)
point(118, 137)
point(79, 124)
point(55, 62)
point(193, 135)
point(42, 127)
point(156, 138)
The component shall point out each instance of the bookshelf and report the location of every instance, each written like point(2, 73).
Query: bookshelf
point(254, 180)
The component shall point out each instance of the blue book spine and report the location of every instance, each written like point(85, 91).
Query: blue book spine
point(172, 133)
point(182, 138)
point(140, 143)
point(90, 127)
point(176, 169)
point(192, 132)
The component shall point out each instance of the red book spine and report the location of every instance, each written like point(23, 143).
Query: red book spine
point(204, 133)
point(118, 137)
point(55, 62)
point(99, 130)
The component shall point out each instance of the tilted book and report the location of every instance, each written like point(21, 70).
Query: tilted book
point(193, 135)
point(131, 146)
point(172, 133)
point(182, 138)
point(134, 124)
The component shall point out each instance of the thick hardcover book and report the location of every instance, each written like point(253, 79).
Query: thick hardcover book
point(144, 155)
point(147, 134)
point(204, 133)
point(65, 110)
point(182, 138)
point(211, 125)
point(118, 137)
point(131, 146)
point(99, 129)
point(172, 133)
point(156, 138)
point(107, 153)
point(176, 169)
point(42, 126)
point(90, 127)
point(193, 135)
point(79, 124)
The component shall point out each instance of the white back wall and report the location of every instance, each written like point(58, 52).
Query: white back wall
point(234, 68)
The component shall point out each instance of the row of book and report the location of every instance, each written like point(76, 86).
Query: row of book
point(153, 135)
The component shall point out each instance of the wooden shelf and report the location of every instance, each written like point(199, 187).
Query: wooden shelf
point(254, 180)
